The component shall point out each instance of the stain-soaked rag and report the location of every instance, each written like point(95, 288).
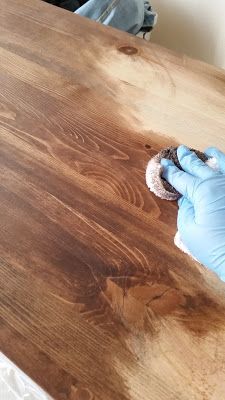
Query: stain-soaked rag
point(161, 188)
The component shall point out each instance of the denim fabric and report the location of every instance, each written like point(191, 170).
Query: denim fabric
point(150, 17)
point(127, 15)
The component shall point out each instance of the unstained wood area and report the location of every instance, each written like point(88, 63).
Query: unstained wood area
point(96, 302)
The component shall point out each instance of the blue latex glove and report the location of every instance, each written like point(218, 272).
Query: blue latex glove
point(201, 215)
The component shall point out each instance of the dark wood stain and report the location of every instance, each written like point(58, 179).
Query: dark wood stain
point(93, 294)
point(128, 50)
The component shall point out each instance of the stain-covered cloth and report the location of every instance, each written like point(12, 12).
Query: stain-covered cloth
point(159, 186)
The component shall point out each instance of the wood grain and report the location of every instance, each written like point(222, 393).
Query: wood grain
point(96, 303)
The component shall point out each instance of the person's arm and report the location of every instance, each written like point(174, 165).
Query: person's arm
point(201, 215)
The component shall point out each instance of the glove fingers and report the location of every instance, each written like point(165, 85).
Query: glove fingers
point(191, 164)
point(181, 181)
point(220, 157)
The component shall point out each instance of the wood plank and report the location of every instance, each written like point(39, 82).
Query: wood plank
point(95, 300)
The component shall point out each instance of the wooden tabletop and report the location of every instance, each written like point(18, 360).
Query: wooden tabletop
point(96, 303)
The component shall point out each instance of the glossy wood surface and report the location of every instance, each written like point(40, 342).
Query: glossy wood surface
point(96, 303)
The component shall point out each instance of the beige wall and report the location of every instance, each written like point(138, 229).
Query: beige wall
point(194, 27)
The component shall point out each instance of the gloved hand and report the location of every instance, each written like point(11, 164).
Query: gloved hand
point(201, 215)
